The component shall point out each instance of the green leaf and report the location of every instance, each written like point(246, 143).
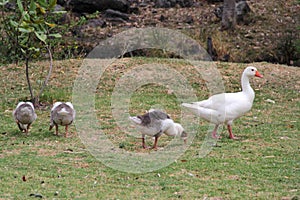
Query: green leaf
point(25, 30)
point(32, 13)
point(41, 28)
point(26, 17)
point(59, 12)
point(43, 3)
point(52, 3)
point(23, 51)
point(24, 41)
point(34, 49)
point(50, 25)
point(24, 25)
point(32, 7)
point(56, 35)
point(41, 36)
point(3, 2)
point(20, 6)
point(41, 8)
point(38, 21)
point(13, 23)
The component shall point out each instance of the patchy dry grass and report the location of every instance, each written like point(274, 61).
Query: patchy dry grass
point(263, 164)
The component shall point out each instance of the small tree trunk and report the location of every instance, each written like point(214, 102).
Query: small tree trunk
point(27, 78)
point(49, 73)
point(36, 99)
point(229, 15)
point(36, 102)
point(211, 50)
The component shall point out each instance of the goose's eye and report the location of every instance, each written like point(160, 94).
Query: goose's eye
point(252, 70)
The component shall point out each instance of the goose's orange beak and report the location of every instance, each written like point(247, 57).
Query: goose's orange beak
point(258, 74)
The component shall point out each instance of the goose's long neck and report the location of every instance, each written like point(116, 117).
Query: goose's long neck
point(173, 130)
point(246, 87)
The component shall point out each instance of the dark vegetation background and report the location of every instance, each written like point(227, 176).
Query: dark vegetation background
point(266, 30)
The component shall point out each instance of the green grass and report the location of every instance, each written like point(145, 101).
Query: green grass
point(263, 164)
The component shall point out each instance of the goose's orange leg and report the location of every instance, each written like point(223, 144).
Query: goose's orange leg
point(66, 131)
point(231, 136)
point(155, 143)
point(214, 133)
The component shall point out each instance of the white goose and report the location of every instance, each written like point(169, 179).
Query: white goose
point(62, 114)
point(226, 107)
point(24, 115)
point(154, 123)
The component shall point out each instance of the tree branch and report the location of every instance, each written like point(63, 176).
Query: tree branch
point(49, 72)
point(27, 77)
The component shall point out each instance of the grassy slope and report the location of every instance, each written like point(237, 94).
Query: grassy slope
point(263, 164)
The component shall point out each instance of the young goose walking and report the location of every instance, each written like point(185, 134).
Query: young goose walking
point(154, 123)
point(62, 114)
point(226, 107)
point(24, 115)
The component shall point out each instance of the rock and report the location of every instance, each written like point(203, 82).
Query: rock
point(96, 23)
point(226, 58)
point(190, 174)
point(10, 6)
point(36, 195)
point(270, 101)
point(173, 3)
point(91, 24)
point(91, 6)
point(189, 19)
point(58, 8)
point(162, 4)
point(116, 14)
point(219, 12)
point(214, 1)
point(242, 9)
point(162, 18)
